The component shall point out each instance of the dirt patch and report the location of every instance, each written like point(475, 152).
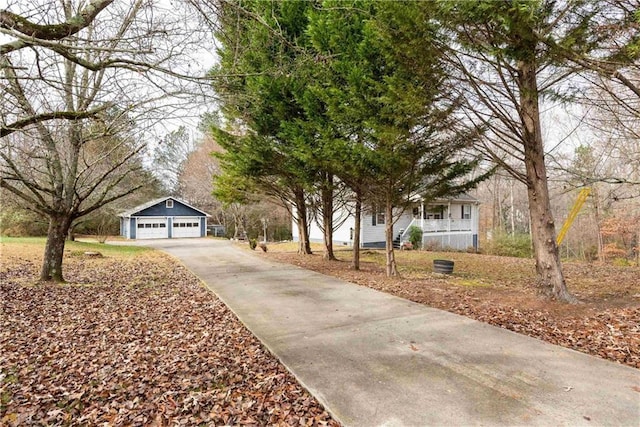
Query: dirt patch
point(133, 340)
point(501, 291)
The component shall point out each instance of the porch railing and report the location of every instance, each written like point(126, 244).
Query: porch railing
point(438, 225)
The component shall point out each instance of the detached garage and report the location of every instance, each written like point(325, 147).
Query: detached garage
point(163, 218)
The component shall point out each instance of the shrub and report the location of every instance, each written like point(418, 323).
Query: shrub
point(591, 253)
point(432, 245)
point(518, 245)
point(253, 243)
point(415, 236)
point(18, 222)
point(621, 262)
point(613, 251)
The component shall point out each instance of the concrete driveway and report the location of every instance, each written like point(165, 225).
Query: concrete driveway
point(377, 360)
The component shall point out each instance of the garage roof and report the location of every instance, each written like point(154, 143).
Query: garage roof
point(139, 208)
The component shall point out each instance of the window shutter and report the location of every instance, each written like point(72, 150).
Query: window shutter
point(374, 211)
point(462, 213)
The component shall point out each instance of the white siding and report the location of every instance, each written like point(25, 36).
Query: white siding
point(475, 218)
point(125, 227)
point(315, 233)
point(341, 235)
point(403, 222)
point(294, 225)
point(371, 233)
point(375, 233)
point(438, 241)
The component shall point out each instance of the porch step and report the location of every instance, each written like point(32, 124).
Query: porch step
point(396, 242)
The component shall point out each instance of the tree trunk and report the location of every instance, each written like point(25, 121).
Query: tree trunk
point(236, 225)
point(54, 249)
point(637, 247)
point(71, 236)
point(495, 206)
point(512, 211)
point(549, 271)
point(598, 218)
point(392, 268)
point(499, 200)
point(327, 217)
point(304, 246)
point(355, 264)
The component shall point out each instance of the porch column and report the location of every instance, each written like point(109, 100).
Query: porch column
point(449, 216)
point(422, 214)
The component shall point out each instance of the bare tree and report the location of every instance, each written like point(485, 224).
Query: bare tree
point(170, 158)
point(195, 179)
point(82, 83)
point(514, 61)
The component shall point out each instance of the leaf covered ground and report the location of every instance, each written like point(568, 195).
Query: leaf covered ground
point(133, 339)
point(501, 291)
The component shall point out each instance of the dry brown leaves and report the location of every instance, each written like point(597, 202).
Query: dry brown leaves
point(135, 341)
point(500, 291)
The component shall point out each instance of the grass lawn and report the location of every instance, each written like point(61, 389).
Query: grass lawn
point(502, 291)
point(13, 245)
point(133, 338)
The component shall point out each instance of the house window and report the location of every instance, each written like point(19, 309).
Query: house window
point(466, 211)
point(434, 212)
point(169, 204)
point(377, 216)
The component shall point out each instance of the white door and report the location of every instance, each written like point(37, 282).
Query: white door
point(185, 227)
point(151, 228)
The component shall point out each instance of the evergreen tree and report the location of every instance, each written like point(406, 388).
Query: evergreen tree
point(398, 132)
point(260, 86)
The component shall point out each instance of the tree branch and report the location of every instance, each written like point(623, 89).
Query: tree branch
point(30, 29)
point(53, 115)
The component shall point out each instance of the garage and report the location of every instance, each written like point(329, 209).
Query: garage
point(186, 227)
point(164, 218)
point(151, 228)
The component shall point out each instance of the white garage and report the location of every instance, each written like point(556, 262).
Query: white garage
point(186, 227)
point(151, 228)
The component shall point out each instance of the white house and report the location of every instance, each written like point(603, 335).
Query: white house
point(445, 223)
